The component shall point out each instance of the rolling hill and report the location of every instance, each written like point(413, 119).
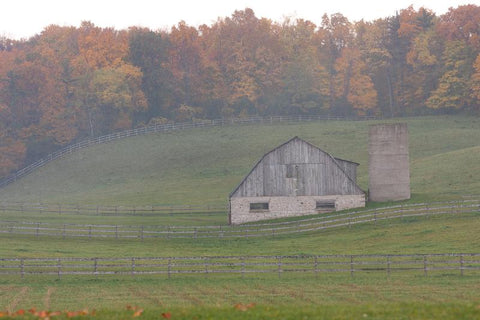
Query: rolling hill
point(201, 166)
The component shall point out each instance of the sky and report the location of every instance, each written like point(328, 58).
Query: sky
point(25, 18)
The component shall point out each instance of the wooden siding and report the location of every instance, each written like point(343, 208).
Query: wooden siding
point(298, 168)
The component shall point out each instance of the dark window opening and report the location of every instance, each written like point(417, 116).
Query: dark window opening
point(259, 206)
point(325, 205)
point(292, 171)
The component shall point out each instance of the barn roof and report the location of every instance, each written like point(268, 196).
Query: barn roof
point(285, 143)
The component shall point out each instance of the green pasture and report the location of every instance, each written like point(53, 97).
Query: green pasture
point(201, 167)
point(435, 234)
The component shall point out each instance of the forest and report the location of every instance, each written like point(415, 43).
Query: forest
point(69, 83)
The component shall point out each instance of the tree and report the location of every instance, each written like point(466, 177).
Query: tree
point(115, 96)
point(475, 86)
point(355, 87)
point(461, 24)
point(185, 64)
point(149, 51)
point(335, 34)
point(452, 91)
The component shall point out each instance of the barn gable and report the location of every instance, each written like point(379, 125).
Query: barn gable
point(296, 178)
point(298, 168)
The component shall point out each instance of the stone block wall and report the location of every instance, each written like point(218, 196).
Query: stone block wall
point(282, 207)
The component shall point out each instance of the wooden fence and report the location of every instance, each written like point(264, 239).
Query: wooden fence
point(307, 224)
point(68, 209)
point(423, 264)
point(158, 128)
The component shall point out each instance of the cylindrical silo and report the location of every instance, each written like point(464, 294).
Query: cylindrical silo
point(389, 169)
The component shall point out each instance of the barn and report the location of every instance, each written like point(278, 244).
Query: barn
point(294, 179)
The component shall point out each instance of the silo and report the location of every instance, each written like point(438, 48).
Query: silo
point(388, 169)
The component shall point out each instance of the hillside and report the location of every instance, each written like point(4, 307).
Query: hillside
point(201, 166)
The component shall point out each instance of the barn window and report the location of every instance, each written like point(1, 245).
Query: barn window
point(325, 205)
point(259, 206)
point(292, 171)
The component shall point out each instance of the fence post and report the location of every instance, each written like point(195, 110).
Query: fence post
point(461, 265)
point(375, 216)
point(169, 268)
point(59, 268)
point(316, 267)
point(388, 265)
point(116, 232)
point(133, 266)
point(425, 265)
point(22, 268)
point(95, 271)
point(141, 232)
point(242, 259)
point(63, 233)
point(38, 230)
point(279, 267)
point(351, 266)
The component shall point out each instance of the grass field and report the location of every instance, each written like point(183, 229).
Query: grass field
point(202, 166)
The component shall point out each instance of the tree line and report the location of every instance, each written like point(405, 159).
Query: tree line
point(69, 83)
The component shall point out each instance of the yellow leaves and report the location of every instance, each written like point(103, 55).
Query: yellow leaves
point(475, 81)
point(420, 54)
point(119, 88)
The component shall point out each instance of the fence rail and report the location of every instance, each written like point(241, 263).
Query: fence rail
point(425, 264)
point(158, 128)
point(307, 224)
point(68, 209)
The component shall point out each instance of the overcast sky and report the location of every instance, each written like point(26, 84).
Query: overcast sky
point(25, 18)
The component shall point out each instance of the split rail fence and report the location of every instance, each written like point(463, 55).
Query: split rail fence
point(414, 264)
point(158, 128)
point(307, 224)
point(66, 209)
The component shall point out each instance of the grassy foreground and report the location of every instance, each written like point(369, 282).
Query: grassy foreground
point(291, 297)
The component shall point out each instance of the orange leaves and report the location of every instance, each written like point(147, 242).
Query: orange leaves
point(244, 307)
point(46, 315)
point(137, 312)
point(166, 315)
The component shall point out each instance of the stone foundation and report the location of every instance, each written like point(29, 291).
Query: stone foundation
point(282, 207)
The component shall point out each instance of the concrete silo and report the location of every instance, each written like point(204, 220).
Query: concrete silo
point(388, 168)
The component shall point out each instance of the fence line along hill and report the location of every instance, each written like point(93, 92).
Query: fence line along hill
point(272, 229)
point(159, 128)
point(314, 265)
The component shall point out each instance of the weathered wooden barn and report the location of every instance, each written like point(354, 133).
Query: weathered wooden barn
point(296, 178)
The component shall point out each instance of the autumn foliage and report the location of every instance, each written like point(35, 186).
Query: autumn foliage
point(69, 83)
